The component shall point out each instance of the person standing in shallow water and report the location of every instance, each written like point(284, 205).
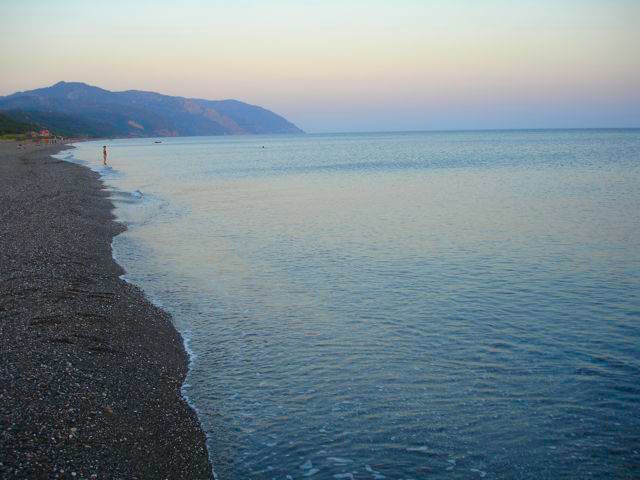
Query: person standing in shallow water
point(104, 154)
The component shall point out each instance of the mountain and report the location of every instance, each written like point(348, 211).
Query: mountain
point(10, 126)
point(73, 108)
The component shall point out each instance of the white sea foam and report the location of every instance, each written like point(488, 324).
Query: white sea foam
point(342, 476)
point(482, 473)
point(376, 475)
point(423, 449)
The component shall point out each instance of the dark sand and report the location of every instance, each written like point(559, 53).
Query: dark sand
point(90, 371)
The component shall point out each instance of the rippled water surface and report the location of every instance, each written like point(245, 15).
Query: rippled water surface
point(400, 306)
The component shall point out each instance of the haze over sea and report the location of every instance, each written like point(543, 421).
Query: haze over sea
point(400, 306)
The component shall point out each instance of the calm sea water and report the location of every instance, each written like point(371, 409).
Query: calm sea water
point(400, 306)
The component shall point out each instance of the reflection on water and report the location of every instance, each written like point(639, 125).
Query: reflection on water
point(397, 305)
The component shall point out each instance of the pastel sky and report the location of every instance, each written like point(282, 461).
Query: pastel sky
point(349, 65)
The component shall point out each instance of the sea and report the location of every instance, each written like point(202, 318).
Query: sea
point(395, 305)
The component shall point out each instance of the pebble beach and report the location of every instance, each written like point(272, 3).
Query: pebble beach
point(91, 370)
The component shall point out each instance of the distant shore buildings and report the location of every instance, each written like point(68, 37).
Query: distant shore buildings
point(45, 136)
point(43, 133)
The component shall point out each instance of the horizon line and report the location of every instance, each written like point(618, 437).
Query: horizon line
point(369, 132)
point(467, 130)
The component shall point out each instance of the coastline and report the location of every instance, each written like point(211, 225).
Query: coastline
point(92, 370)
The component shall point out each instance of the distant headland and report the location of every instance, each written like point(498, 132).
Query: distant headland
point(77, 109)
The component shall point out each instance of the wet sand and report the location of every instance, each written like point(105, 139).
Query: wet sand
point(91, 371)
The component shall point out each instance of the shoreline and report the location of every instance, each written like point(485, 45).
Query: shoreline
point(92, 370)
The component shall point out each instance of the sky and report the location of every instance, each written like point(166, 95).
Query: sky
point(350, 65)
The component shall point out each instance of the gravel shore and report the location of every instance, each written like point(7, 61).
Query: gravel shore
point(90, 370)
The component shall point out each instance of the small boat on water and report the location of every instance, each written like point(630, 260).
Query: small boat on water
point(157, 141)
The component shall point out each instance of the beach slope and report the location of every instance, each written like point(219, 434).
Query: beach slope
point(91, 371)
